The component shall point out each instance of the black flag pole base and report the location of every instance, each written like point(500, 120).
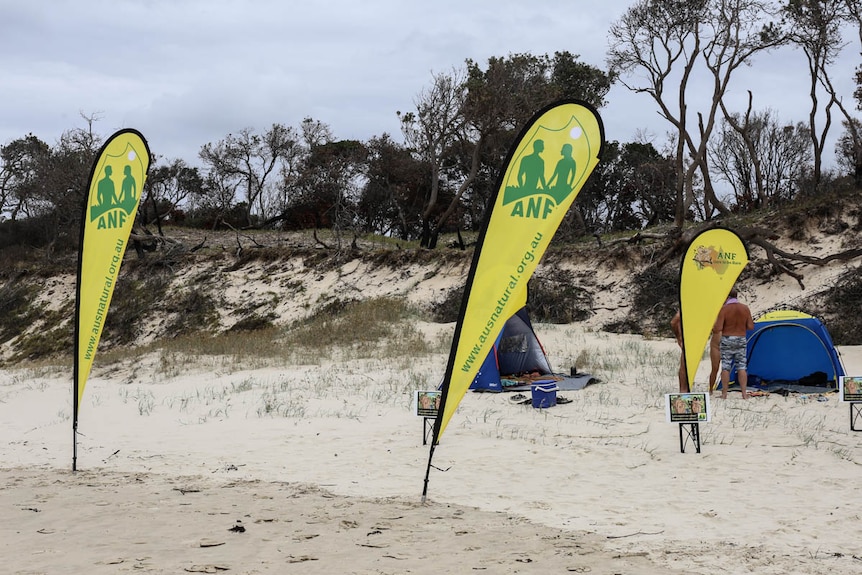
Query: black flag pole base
point(427, 474)
point(855, 415)
point(75, 445)
point(689, 431)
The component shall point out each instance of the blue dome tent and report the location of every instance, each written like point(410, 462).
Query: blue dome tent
point(791, 350)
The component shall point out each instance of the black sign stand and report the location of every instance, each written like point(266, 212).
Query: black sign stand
point(855, 414)
point(692, 432)
point(427, 428)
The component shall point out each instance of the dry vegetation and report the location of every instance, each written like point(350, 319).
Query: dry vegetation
point(204, 287)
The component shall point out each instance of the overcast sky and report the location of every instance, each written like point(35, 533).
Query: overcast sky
point(188, 72)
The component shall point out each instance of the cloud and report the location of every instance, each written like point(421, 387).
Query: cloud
point(187, 73)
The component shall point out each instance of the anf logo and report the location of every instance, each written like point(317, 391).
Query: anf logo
point(114, 203)
point(716, 258)
point(532, 195)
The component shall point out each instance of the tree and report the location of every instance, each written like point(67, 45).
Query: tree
point(49, 185)
point(329, 182)
point(854, 15)
point(659, 38)
point(65, 183)
point(738, 30)
point(466, 122)
point(848, 152)
point(762, 160)
point(815, 26)
point(249, 159)
point(502, 98)
point(391, 200)
point(853, 128)
point(430, 131)
point(24, 162)
point(630, 188)
point(663, 41)
point(213, 203)
point(651, 178)
point(169, 187)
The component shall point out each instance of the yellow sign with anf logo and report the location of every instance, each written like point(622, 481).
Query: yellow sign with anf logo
point(112, 201)
point(547, 167)
point(711, 265)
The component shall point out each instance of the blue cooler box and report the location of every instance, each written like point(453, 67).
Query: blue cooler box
point(544, 394)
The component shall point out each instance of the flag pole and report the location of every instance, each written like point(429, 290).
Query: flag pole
point(75, 401)
point(427, 472)
point(75, 446)
point(438, 421)
point(76, 371)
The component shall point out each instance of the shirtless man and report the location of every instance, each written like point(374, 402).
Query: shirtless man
point(715, 355)
point(734, 320)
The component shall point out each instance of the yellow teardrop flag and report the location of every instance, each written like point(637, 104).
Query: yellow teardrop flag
point(114, 193)
point(547, 166)
point(711, 265)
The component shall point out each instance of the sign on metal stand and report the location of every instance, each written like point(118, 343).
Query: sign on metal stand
point(426, 404)
point(855, 415)
point(689, 431)
point(850, 391)
point(689, 410)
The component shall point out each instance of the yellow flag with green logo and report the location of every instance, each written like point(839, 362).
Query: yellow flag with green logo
point(547, 167)
point(711, 265)
point(116, 181)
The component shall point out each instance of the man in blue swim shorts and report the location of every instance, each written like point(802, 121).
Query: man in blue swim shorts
point(734, 320)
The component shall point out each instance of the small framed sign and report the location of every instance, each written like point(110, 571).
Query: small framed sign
point(687, 407)
point(850, 388)
point(426, 403)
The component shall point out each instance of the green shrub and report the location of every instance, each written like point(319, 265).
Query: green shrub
point(16, 308)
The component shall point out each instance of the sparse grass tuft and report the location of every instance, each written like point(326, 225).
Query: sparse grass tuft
point(447, 310)
point(16, 308)
point(253, 322)
point(193, 311)
point(360, 328)
point(558, 298)
point(133, 300)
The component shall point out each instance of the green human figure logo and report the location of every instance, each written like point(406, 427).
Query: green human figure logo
point(533, 196)
point(129, 190)
point(531, 171)
point(531, 193)
point(562, 182)
point(106, 194)
point(111, 210)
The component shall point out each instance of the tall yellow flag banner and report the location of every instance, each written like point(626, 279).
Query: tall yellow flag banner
point(711, 265)
point(114, 192)
point(546, 168)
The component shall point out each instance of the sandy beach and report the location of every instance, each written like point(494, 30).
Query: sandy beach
point(209, 465)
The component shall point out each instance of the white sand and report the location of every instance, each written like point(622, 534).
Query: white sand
point(329, 481)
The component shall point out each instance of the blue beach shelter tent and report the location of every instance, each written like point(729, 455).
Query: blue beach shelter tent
point(789, 349)
point(516, 351)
